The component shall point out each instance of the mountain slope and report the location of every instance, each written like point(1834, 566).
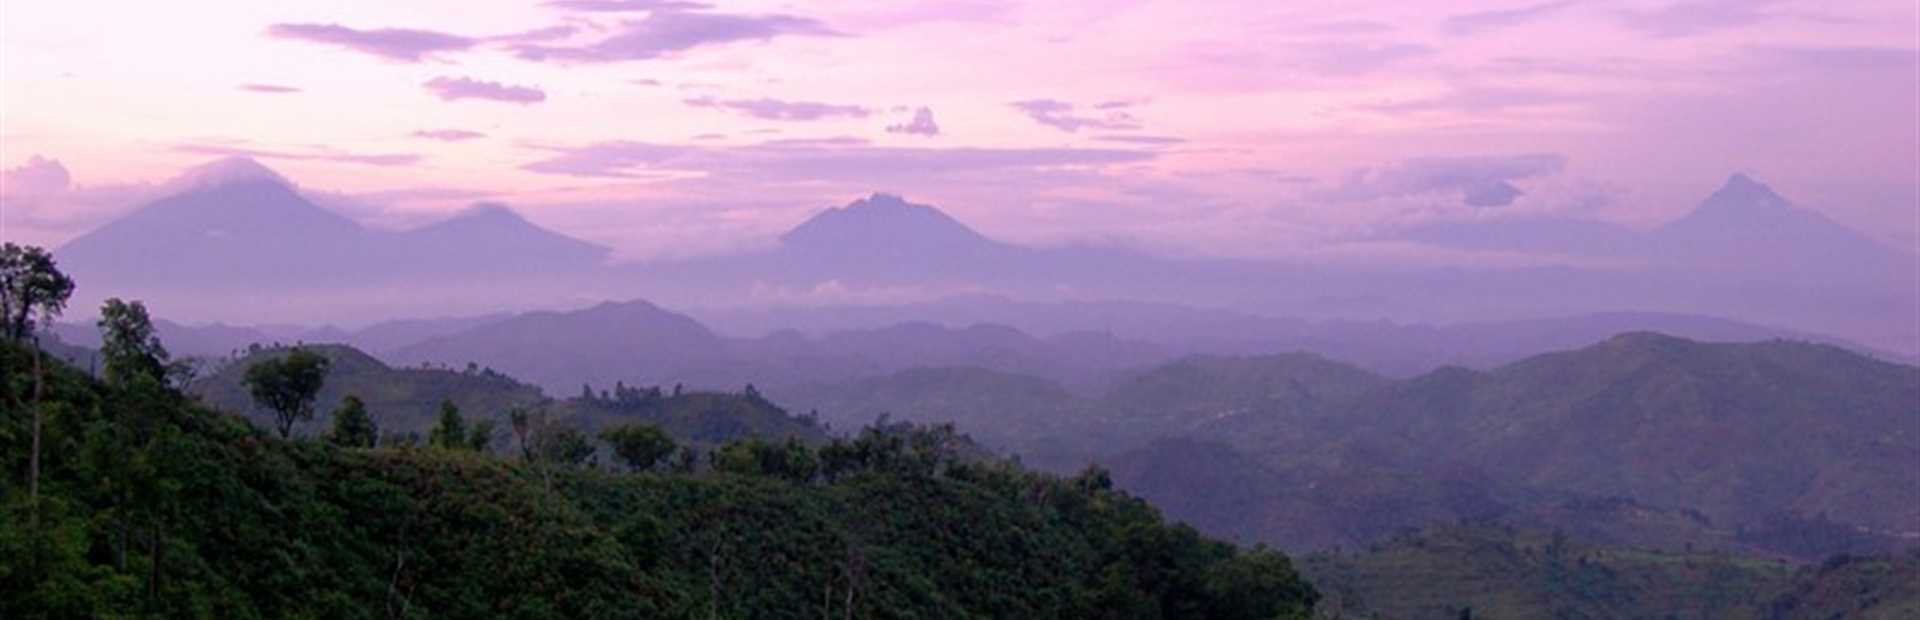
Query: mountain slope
point(1737, 431)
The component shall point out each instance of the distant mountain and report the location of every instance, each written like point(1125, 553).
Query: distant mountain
point(1387, 347)
point(232, 223)
point(1744, 230)
point(1744, 253)
point(887, 226)
point(385, 337)
point(639, 343)
point(1745, 227)
point(490, 238)
point(635, 342)
point(235, 225)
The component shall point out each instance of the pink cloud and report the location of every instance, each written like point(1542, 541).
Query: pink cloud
point(316, 154)
point(921, 125)
point(665, 32)
point(1059, 115)
point(38, 176)
point(454, 89)
point(397, 44)
point(835, 160)
point(1477, 22)
point(448, 135)
point(271, 89)
point(778, 110)
point(625, 6)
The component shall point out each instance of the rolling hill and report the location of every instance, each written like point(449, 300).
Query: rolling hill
point(399, 399)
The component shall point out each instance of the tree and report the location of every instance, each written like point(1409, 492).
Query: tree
point(790, 460)
point(522, 428)
point(450, 432)
point(287, 386)
point(352, 427)
point(640, 446)
point(557, 443)
point(128, 344)
point(32, 289)
point(30, 284)
point(480, 437)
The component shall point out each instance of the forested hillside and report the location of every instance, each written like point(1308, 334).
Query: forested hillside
point(141, 502)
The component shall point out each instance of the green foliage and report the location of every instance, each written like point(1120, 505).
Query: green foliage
point(450, 432)
point(32, 289)
point(788, 460)
point(128, 344)
point(156, 507)
point(480, 437)
point(352, 426)
point(640, 446)
point(561, 445)
point(287, 386)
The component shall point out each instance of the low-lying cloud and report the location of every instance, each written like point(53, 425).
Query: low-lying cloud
point(1478, 181)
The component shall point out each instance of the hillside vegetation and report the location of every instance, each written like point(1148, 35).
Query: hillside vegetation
point(143, 503)
point(1447, 572)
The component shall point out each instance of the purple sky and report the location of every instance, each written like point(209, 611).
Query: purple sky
point(663, 127)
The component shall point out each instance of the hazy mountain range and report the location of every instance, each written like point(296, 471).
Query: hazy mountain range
point(234, 225)
point(238, 243)
point(1793, 448)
